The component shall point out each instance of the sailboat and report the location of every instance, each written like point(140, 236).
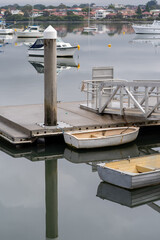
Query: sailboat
point(89, 28)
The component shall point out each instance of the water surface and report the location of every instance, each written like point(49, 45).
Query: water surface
point(63, 196)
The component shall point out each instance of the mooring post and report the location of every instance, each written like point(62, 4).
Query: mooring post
point(50, 77)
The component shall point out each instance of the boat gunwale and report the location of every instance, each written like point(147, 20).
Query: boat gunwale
point(102, 129)
point(102, 165)
point(58, 48)
point(154, 23)
point(146, 27)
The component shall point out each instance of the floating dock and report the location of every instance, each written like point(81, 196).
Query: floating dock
point(24, 124)
point(109, 103)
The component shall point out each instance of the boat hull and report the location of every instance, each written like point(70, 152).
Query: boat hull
point(6, 31)
point(63, 52)
point(146, 30)
point(29, 34)
point(100, 141)
point(89, 29)
point(126, 179)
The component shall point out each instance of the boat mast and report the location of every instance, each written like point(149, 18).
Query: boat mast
point(31, 20)
point(88, 14)
point(32, 16)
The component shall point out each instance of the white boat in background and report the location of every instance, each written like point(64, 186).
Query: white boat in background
point(89, 29)
point(153, 28)
point(4, 30)
point(97, 138)
point(131, 173)
point(63, 49)
point(30, 32)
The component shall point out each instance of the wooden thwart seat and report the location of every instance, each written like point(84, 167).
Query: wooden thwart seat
point(142, 169)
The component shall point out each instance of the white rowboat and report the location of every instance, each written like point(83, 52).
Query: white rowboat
point(101, 137)
point(131, 173)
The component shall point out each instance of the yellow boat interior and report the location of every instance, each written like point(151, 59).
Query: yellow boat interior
point(136, 165)
point(103, 133)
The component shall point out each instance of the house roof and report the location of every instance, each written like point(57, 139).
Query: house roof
point(146, 13)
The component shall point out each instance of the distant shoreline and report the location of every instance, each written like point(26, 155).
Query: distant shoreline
point(92, 21)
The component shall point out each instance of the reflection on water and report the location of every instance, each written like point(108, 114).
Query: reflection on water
point(77, 28)
point(51, 187)
point(62, 64)
point(48, 149)
point(51, 151)
point(128, 198)
point(153, 40)
point(25, 41)
point(99, 155)
point(5, 40)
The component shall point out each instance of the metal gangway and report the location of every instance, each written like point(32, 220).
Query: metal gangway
point(119, 96)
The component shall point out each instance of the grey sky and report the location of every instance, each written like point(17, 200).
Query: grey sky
point(71, 2)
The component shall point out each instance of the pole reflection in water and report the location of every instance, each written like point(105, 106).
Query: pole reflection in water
point(51, 199)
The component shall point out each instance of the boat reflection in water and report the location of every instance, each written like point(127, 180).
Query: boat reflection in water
point(5, 40)
point(25, 41)
point(62, 64)
point(154, 40)
point(101, 155)
point(130, 198)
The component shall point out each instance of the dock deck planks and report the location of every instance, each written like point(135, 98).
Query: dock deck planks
point(19, 124)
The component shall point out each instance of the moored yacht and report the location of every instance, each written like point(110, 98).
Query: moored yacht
point(30, 32)
point(63, 49)
point(4, 30)
point(153, 28)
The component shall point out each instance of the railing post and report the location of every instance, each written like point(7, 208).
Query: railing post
point(121, 100)
point(158, 98)
point(146, 100)
point(87, 94)
point(50, 77)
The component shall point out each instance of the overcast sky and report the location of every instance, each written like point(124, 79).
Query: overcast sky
point(71, 2)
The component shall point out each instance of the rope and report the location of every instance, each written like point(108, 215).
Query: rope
point(124, 130)
point(124, 117)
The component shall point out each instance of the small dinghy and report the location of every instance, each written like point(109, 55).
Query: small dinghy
point(131, 173)
point(97, 138)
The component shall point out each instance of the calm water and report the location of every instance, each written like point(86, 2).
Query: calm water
point(64, 195)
